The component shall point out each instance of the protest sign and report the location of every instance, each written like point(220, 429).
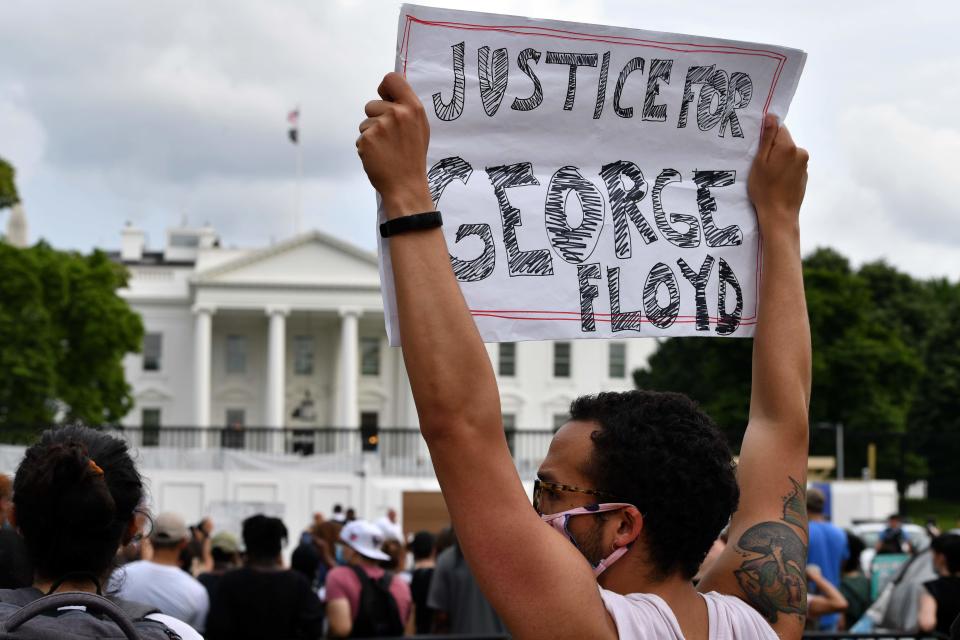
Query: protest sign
point(592, 179)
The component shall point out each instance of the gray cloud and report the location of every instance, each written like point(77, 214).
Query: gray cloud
point(149, 111)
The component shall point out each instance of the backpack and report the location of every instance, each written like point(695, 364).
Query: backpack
point(27, 614)
point(378, 615)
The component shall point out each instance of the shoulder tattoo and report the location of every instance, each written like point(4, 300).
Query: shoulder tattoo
point(775, 557)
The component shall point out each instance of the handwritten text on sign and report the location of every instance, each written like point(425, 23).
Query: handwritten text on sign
point(593, 179)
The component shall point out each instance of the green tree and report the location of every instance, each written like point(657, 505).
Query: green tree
point(935, 414)
point(8, 188)
point(63, 334)
point(714, 372)
point(870, 330)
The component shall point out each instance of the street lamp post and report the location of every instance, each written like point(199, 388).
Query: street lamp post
point(837, 428)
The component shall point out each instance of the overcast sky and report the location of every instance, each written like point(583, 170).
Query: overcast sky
point(118, 111)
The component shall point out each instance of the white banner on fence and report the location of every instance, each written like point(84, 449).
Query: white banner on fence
point(592, 179)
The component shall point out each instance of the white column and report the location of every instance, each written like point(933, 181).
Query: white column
point(276, 366)
point(349, 414)
point(202, 345)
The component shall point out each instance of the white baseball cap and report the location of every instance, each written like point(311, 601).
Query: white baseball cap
point(169, 527)
point(364, 538)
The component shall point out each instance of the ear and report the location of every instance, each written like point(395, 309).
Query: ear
point(629, 526)
point(133, 528)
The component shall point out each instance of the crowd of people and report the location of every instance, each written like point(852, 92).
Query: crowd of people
point(346, 577)
point(847, 595)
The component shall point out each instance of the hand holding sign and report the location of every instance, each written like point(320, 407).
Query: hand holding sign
point(393, 147)
point(778, 178)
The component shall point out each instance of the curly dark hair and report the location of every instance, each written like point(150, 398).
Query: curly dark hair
point(661, 453)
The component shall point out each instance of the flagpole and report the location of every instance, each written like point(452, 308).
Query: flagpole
point(293, 119)
point(298, 213)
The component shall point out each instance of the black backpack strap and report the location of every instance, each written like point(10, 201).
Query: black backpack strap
point(361, 574)
point(91, 602)
point(362, 625)
point(22, 597)
point(386, 580)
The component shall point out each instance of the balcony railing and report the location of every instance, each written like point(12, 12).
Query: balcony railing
point(394, 451)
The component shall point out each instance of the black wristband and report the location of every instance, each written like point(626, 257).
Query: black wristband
point(416, 222)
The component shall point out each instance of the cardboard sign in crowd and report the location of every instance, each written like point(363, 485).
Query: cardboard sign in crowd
point(592, 179)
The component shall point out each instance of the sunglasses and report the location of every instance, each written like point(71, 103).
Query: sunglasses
point(539, 486)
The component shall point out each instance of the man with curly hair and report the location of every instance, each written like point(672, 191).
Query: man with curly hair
point(637, 485)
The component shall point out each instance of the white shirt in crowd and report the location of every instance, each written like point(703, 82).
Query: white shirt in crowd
point(391, 530)
point(170, 589)
point(644, 616)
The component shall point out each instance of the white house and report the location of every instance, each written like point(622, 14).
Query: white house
point(292, 335)
point(263, 370)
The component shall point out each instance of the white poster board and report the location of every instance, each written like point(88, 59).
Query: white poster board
point(592, 179)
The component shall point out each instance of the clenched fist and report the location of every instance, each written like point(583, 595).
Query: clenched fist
point(778, 178)
point(393, 147)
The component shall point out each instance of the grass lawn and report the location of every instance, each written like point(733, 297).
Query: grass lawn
point(946, 512)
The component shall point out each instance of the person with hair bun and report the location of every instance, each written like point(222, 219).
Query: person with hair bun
point(77, 500)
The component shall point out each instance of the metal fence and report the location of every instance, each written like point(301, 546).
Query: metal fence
point(396, 451)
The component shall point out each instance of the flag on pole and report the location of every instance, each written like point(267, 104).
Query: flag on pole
point(293, 118)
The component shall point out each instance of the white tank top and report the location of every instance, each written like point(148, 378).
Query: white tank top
point(644, 616)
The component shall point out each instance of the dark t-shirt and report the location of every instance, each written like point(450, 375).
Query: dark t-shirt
point(455, 591)
point(210, 580)
point(15, 569)
point(856, 589)
point(420, 589)
point(252, 604)
point(946, 591)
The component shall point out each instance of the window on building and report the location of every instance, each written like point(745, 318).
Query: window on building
point(370, 356)
point(303, 355)
point(560, 419)
point(507, 362)
point(510, 430)
point(236, 354)
point(150, 426)
point(236, 418)
point(233, 435)
point(561, 359)
point(618, 360)
point(152, 351)
point(370, 430)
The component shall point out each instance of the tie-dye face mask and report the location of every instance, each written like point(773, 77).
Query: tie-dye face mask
point(559, 521)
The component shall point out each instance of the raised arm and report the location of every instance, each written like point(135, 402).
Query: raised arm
point(537, 581)
point(828, 598)
point(764, 564)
